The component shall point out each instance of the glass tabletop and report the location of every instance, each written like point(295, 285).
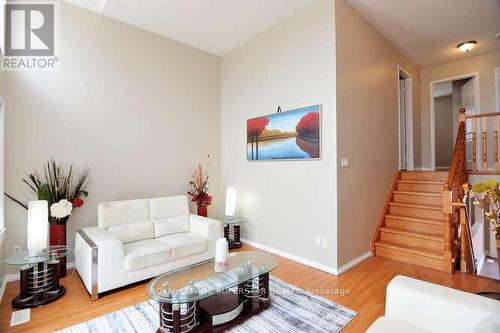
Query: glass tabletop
point(233, 219)
point(200, 281)
point(27, 257)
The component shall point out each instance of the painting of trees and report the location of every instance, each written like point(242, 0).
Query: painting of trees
point(255, 127)
point(308, 126)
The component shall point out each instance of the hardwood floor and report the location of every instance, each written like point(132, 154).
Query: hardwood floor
point(363, 289)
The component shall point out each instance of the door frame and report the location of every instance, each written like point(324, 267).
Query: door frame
point(433, 113)
point(409, 118)
point(497, 87)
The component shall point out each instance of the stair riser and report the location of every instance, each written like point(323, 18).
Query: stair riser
point(416, 187)
point(409, 258)
point(418, 199)
point(416, 212)
point(414, 226)
point(412, 241)
point(429, 176)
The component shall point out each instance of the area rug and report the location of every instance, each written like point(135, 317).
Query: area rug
point(292, 310)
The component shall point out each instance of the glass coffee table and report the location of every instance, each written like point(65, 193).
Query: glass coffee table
point(39, 275)
point(198, 297)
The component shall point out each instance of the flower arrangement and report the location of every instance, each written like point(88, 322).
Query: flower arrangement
point(487, 196)
point(199, 190)
point(62, 187)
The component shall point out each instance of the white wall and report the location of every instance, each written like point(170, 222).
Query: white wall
point(287, 203)
point(140, 110)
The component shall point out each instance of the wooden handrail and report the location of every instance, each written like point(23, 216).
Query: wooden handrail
point(481, 115)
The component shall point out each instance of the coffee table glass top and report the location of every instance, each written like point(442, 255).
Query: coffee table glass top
point(199, 281)
point(233, 220)
point(27, 257)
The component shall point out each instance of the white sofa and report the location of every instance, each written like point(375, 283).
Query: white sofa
point(418, 306)
point(136, 240)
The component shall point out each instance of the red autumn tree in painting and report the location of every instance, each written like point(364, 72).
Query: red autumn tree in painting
point(255, 127)
point(308, 126)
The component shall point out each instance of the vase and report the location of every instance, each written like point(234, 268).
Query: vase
point(58, 238)
point(203, 211)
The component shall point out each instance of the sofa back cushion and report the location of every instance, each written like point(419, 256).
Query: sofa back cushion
point(122, 212)
point(171, 225)
point(133, 232)
point(167, 207)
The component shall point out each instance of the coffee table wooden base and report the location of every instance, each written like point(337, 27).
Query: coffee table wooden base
point(216, 313)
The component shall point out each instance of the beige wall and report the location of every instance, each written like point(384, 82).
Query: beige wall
point(484, 65)
point(443, 107)
point(292, 64)
point(367, 126)
point(2, 217)
point(140, 110)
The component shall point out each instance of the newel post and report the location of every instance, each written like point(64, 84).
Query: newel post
point(448, 241)
point(461, 116)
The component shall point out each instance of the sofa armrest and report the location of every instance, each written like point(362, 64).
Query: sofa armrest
point(99, 256)
point(443, 309)
point(205, 227)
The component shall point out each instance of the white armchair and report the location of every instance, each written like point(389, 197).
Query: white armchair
point(139, 239)
point(417, 306)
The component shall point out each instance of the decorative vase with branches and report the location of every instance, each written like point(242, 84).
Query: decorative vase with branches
point(64, 189)
point(486, 195)
point(199, 189)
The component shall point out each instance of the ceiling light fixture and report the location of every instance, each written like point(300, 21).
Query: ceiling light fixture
point(467, 46)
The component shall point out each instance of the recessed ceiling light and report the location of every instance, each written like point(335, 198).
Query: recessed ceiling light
point(467, 46)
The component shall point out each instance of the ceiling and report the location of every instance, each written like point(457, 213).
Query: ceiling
point(216, 26)
point(428, 31)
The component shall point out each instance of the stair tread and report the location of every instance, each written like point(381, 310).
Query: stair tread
point(404, 204)
point(427, 182)
point(411, 249)
point(414, 219)
point(425, 194)
point(418, 234)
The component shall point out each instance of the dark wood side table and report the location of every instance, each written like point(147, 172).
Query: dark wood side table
point(39, 276)
point(232, 230)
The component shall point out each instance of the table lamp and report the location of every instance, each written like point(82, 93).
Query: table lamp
point(38, 225)
point(230, 202)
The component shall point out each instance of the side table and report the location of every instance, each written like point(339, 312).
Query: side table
point(232, 230)
point(39, 276)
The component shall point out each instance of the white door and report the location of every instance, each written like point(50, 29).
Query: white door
point(468, 96)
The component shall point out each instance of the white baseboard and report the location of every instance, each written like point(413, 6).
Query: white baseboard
point(15, 276)
point(354, 262)
point(307, 262)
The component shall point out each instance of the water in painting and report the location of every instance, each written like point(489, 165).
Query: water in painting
point(293, 134)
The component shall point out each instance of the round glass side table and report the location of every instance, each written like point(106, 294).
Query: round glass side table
point(232, 230)
point(39, 275)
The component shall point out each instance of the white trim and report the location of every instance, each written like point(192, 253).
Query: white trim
point(409, 118)
point(307, 262)
point(15, 276)
point(354, 262)
point(423, 169)
point(497, 86)
point(2, 287)
point(2, 235)
point(480, 264)
point(432, 111)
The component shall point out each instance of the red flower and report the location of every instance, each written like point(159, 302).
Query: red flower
point(77, 202)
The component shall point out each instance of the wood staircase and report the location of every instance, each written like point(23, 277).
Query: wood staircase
point(412, 226)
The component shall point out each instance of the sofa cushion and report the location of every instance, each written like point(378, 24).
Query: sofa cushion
point(160, 208)
point(490, 324)
point(184, 244)
point(133, 232)
point(122, 212)
point(172, 225)
point(393, 325)
point(145, 253)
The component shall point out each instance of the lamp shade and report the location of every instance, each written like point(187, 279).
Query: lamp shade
point(230, 201)
point(38, 223)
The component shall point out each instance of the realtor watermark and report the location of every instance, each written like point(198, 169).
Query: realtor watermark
point(31, 36)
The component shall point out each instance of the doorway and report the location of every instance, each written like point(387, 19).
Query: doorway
point(447, 96)
point(405, 120)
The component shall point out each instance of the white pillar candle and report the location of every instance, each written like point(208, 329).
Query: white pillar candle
point(221, 250)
